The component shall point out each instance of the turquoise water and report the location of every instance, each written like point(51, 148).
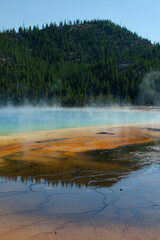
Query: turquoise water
point(115, 189)
point(35, 119)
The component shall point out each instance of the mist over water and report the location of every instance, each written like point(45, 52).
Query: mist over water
point(46, 118)
point(50, 192)
point(149, 89)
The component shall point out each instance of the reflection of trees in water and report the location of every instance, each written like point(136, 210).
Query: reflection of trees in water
point(91, 168)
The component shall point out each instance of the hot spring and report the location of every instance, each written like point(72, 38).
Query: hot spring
point(35, 119)
point(79, 173)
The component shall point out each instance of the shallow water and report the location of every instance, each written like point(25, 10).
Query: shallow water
point(32, 119)
point(116, 188)
point(98, 194)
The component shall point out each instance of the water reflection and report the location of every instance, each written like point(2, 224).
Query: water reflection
point(113, 192)
point(92, 168)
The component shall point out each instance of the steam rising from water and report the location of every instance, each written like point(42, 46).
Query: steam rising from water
point(149, 90)
point(23, 119)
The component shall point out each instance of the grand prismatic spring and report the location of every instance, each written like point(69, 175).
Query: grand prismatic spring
point(79, 174)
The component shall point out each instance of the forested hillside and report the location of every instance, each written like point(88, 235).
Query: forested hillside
point(75, 64)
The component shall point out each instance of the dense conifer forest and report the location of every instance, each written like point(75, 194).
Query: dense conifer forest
point(77, 64)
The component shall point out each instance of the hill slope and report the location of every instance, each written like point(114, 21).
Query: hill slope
point(75, 64)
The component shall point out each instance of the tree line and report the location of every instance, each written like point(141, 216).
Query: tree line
point(75, 64)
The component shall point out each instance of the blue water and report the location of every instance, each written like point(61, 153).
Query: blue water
point(35, 119)
point(52, 200)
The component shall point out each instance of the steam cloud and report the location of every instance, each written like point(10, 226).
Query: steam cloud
point(149, 89)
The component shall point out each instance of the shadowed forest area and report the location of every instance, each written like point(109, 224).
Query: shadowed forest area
point(78, 63)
